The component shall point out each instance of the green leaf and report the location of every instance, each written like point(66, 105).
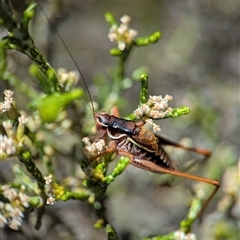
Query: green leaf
point(177, 112)
point(50, 106)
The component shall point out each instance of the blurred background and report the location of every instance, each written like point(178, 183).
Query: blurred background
point(197, 62)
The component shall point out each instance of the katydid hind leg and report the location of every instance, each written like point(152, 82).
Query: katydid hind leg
point(190, 164)
point(164, 141)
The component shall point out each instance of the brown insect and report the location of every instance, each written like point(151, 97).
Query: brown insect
point(144, 148)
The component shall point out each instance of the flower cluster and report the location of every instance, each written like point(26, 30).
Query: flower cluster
point(67, 79)
point(93, 149)
point(49, 190)
point(8, 107)
point(12, 213)
point(7, 146)
point(8, 100)
point(155, 108)
point(122, 34)
point(13, 141)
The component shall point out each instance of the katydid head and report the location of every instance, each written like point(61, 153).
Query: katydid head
point(102, 122)
point(102, 119)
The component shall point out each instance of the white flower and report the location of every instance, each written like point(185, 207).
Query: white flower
point(51, 200)
point(22, 119)
point(67, 79)
point(125, 19)
point(7, 146)
point(8, 100)
point(48, 179)
point(93, 149)
point(10, 193)
point(156, 107)
point(123, 35)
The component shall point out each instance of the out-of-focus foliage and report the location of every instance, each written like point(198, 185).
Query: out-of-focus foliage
point(196, 61)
